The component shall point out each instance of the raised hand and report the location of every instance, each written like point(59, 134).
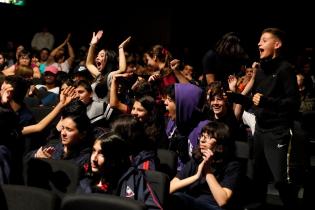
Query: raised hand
point(96, 37)
point(123, 44)
point(6, 93)
point(67, 95)
point(68, 37)
point(174, 64)
point(232, 80)
point(66, 40)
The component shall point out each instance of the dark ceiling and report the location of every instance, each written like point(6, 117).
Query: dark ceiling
point(193, 25)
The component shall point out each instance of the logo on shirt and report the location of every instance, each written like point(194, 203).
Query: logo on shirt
point(129, 192)
point(280, 145)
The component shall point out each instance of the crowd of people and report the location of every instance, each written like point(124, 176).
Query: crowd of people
point(115, 109)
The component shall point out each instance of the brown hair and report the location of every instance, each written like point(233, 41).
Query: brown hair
point(24, 71)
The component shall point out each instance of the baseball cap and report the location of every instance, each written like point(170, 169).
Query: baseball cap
point(80, 69)
point(52, 69)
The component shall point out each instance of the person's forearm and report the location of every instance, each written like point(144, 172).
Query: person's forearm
point(122, 60)
point(180, 77)
point(54, 51)
point(44, 122)
point(248, 86)
point(71, 51)
point(219, 194)
point(114, 102)
point(90, 61)
point(177, 184)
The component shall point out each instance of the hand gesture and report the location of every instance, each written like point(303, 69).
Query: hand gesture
point(256, 65)
point(68, 38)
point(174, 64)
point(96, 37)
point(207, 157)
point(207, 154)
point(123, 44)
point(44, 152)
point(200, 168)
point(6, 93)
point(232, 80)
point(154, 77)
point(67, 95)
point(256, 98)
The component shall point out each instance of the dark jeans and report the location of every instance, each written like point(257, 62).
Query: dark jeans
point(183, 201)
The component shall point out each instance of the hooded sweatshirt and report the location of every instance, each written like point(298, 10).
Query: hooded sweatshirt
point(183, 132)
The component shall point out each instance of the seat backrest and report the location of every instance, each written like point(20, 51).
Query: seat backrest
point(40, 112)
point(168, 162)
point(59, 176)
point(19, 197)
point(242, 149)
point(5, 167)
point(99, 202)
point(160, 183)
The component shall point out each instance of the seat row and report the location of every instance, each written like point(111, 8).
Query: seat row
point(20, 197)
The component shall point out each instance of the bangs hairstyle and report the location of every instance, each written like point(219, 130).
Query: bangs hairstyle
point(216, 89)
point(113, 146)
point(219, 131)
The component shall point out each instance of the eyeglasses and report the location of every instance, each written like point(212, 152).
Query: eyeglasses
point(204, 136)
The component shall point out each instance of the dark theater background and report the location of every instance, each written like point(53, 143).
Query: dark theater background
point(194, 25)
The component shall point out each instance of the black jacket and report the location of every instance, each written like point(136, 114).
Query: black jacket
point(276, 81)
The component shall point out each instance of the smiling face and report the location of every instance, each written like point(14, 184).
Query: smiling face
point(218, 105)
point(268, 45)
point(139, 111)
point(152, 62)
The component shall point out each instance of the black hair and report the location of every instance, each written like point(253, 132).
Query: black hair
point(114, 149)
point(224, 149)
point(75, 107)
point(101, 88)
point(111, 62)
point(85, 84)
point(170, 91)
point(115, 152)
point(20, 87)
point(229, 46)
point(130, 129)
point(154, 124)
point(143, 88)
